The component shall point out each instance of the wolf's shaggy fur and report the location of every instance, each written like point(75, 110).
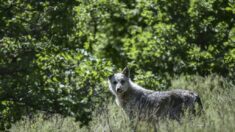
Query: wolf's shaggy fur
point(150, 105)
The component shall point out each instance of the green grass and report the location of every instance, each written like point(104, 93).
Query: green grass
point(217, 95)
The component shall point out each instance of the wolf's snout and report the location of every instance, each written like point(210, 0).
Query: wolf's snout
point(119, 90)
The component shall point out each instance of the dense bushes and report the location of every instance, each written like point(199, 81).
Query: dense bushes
point(56, 56)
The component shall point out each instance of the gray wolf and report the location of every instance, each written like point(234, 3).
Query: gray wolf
point(149, 105)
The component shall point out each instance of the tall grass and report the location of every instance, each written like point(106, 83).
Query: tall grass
point(218, 97)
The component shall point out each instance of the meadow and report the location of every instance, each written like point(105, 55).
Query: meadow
point(217, 95)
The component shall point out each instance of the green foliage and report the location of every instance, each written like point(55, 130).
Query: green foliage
point(42, 64)
point(56, 55)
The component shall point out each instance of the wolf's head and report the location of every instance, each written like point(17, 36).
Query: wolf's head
point(119, 82)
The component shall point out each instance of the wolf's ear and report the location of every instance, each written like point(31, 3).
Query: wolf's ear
point(126, 72)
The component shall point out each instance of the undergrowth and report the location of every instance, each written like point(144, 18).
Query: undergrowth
point(217, 94)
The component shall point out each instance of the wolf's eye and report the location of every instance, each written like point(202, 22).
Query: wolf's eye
point(122, 81)
point(114, 82)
